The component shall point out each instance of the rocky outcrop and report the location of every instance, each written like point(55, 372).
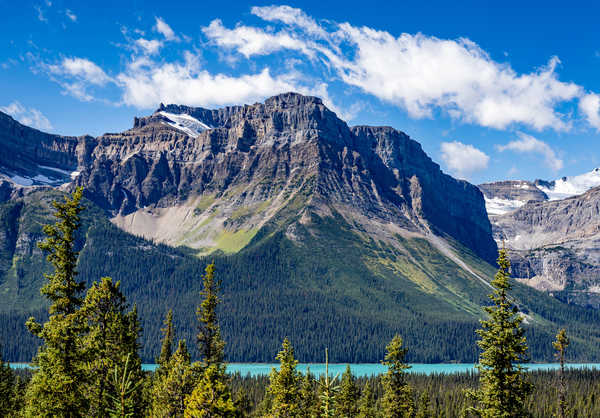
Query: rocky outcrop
point(520, 190)
point(263, 154)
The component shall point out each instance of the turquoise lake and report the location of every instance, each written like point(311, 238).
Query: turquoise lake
point(368, 369)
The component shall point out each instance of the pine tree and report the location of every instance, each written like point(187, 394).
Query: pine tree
point(108, 342)
point(132, 346)
point(212, 396)
point(347, 399)
point(504, 389)
point(284, 385)
point(308, 396)
point(57, 388)
point(366, 403)
point(7, 388)
point(166, 349)
point(328, 391)
point(560, 345)
point(173, 385)
point(424, 410)
point(123, 402)
point(397, 393)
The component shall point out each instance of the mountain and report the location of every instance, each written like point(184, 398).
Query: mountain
point(332, 235)
point(552, 231)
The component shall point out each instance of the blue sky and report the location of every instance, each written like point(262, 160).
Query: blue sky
point(491, 92)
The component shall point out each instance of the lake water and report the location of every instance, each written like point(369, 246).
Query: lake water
point(367, 369)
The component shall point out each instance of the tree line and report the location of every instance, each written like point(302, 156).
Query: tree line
point(89, 364)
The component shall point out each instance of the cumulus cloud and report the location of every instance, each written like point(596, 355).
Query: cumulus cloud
point(27, 116)
point(531, 145)
point(250, 41)
point(76, 75)
point(290, 16)
point(589, 105)
point(165, 30)
point(463, 159)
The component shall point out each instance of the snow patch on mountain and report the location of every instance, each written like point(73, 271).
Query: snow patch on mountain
point(498, 206)
point(572, 186)
point(185, 123)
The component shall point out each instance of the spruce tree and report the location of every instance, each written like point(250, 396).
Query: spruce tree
point(328, 391)
point(423, 410)
point(7, 388)
point(347, 399)
point(166, 349)
point(397, 394)
point(504, 388)
point(284, 385)
point(560, 345)
point(57, 388)
point(366, 403)
point(212, 396)
point(308, 396)
point(108, 343)
point(173, 385)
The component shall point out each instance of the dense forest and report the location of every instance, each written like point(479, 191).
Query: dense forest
point(89, 363)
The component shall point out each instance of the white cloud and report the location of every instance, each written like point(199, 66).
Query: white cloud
point(149, 46)
point(71, 15)
point(40, 14)
point(147, 83)
point(290, 16)
point(27, 116)
point(589, 105)
point(463, 159)
point(165, 30)
point(529, 144)
point(76, 75)
point(250, 41)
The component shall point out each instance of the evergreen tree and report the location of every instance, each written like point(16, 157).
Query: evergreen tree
point(560, 345)
point(123, 402)
point(347, 399)
point(131, 346)
point(284, 385)
point(308, 396)
point(242, 404)
point(397, 393)
point(166, 349)
point(108, 342)
point(173, 385)
point(328, 391)
point(57, 388)
point(7, 388)
point(504, 389)
point(424, 411)
point(366, 403)
point(212, 396)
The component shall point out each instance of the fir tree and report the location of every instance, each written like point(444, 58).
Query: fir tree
point(366, 403)
point(308, 396)
point(397, 393)
point(328, 391)
point(173, 385)
point(283, 390)
point(504, 389)
point(7, 388)
point(131, 346)
point(108, 343)
point(347, 399)
point(166, 349)
point(212, 396)
point(57, 388)
point(123, 402)
point(424, 411)
point(560, 345)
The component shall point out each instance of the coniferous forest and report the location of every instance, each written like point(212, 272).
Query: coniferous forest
point(89, 363)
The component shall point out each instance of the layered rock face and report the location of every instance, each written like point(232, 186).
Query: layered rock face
point(178, 184)
point(212, 178)
point(555, 245)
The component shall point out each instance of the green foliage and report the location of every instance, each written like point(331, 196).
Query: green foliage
point(209, 335)
point(58, 387)
point(284, 387)
point(211, 396)
point(173, 384)
point(504, 388)
point(7, 389)
point(309, 402)
point(424, 407)
point(366, 403)
point(109, 343)
point(328, 391)
point(346, 402)
point(397, 394)
point(560, 345)
point(166, 349)
point(123, 403)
